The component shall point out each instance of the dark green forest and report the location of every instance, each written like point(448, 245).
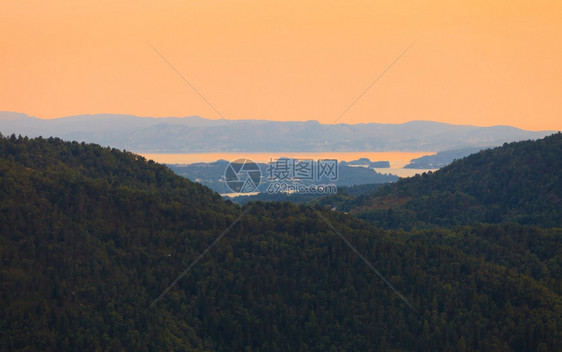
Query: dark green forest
point(91, 236)
point(518, 182)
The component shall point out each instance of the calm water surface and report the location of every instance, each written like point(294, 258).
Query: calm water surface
point(397, 159)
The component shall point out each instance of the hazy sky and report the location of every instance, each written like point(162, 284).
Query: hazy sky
point(473, 62)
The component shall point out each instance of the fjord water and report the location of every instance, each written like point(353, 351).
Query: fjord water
point(397, 159)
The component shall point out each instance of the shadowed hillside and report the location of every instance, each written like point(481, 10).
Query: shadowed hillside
point(518, 182)
point(91, 236)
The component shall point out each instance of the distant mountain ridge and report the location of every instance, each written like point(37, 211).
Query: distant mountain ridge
point(196, 134)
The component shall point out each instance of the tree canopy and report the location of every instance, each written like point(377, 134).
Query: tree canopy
point(91, 236)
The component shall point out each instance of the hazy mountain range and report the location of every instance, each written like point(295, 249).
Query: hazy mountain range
point(196, 134)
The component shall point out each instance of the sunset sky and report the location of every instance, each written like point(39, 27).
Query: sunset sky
point(473, 62)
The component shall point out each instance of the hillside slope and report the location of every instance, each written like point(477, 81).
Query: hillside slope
point(518, 182)
point(90, 236)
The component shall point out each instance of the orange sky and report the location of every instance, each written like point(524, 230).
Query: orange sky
point(479, 62)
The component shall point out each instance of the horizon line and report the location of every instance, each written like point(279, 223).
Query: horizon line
point(268, 120)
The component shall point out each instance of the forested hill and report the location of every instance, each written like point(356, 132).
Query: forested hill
point(91, 236)
point(518, 182)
